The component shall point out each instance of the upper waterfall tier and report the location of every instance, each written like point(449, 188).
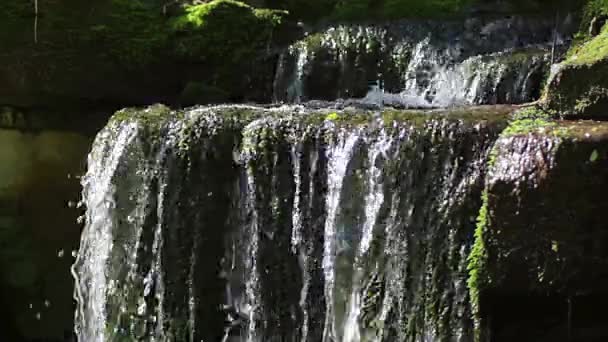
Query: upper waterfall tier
point(418, 64)
point(244, 224)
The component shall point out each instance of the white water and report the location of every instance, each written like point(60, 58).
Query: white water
point(501, 61)
point(330, 232)
point(94, 285)
point(339, 157)
point(373, 202)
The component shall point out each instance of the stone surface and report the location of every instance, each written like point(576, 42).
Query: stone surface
point(545, 233)
point(578, 87)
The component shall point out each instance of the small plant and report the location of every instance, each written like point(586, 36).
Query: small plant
point(332, 116)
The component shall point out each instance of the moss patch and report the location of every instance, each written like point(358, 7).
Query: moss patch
point(223, 29)
point(590, 52)
point(579, 88)
point(476, 267)
point(128, 51)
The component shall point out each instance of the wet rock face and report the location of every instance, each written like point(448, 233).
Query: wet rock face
point(546, 235)
point(38, 231)
point(578, 87)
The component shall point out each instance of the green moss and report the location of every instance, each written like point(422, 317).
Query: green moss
point(332, 116)
point(493, 114)
point(416, 118)
point(591, 9)
point(223, 30)
point(580, 87)
point(243, 115)
point(591, 51)
point(525, 126)
point(150, 116)
point(346, 117)
point(118, 50)
point(532, 113)
point(534, 120)
point(477, 259)
point(228, 38)
point(313, 42)
point(134, 32)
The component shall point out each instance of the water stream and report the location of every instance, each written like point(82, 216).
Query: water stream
point(420, 64)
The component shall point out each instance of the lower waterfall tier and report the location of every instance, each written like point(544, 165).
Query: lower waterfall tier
point(245, 224)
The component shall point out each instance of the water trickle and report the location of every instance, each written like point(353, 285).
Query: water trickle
point(241, 224)
point(423, 64)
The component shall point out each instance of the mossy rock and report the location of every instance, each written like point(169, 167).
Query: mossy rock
point(128, 52)
point(225, 29)
point(542, 238)
point(579, 85)
point(541, 226)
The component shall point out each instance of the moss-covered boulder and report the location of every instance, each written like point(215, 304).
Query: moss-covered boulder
point(578, 87)
point(542, 235)
point(129, 51)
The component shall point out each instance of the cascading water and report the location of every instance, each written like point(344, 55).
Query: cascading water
point(423, 64)
point(242, 224)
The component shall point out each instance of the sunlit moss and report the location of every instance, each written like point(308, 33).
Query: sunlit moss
point(150, 115)
point(477, 258)
point(214, 30)
point(592, 51)
point(534, 120)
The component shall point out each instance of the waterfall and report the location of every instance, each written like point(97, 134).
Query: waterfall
point(243, 224)
point(423, 64)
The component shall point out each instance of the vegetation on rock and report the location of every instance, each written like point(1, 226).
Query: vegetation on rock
point(534, 221)
point(128, 52)
point(579, 86)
